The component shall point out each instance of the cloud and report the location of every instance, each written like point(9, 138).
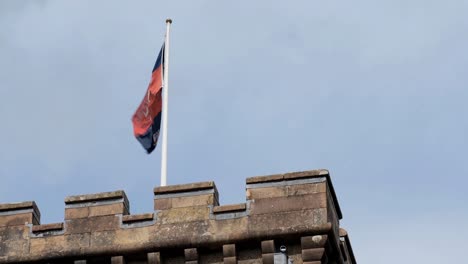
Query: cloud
point(372, 91)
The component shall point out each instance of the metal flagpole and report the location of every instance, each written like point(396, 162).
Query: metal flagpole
point(164, 105)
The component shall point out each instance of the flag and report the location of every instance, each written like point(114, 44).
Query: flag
point(147, 118)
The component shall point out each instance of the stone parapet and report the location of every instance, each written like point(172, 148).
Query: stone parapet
point(299, 210)
point(185, 195)
point(92, 205)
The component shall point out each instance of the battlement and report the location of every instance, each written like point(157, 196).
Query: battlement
point(188, 225)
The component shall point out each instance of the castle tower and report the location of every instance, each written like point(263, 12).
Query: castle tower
point(287, 218)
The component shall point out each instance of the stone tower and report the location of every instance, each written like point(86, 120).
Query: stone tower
point(287, 218)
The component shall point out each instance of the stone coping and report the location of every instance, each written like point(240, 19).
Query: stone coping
point(180, 188)
point(165, 229)
point(229, 208)
point(10, 207)
point(298, 176)
point(137, 218)
point(84, 198)
point(287, 176)
point(47, 227)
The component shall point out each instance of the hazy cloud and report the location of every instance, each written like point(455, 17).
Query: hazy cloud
point(373, 91)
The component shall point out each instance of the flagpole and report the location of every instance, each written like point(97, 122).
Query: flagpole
point(165, 103)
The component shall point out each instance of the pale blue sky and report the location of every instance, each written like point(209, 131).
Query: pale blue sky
point(374, 91)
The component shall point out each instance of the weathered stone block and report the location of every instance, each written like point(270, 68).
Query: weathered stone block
point(268, 246)
point(162, 204)
point(108, 209)
point(313, 254)
point(230, 260)
point(43, 245)
point(74, 213)
point(268, 258)
point(86, 225)
point(268, 251)
point(290, 203)
point(94, 205)
point(120, 238)
point(16, 219)
point(285, 190)
point(229, 229)
point(14, 241)
point(273, 223)
point(229, 250)
point(266, 192)
point(229, 254)
point(313, 241)
point(187, 214)
point(304, 189)
point(190, 201)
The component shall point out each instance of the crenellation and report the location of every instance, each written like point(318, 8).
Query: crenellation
point(230, 211)
point(229, 208)
point(99, 204)
point(47, 228)
point(293, 184)
point(128, 219)
point(187, 226)
point(186, 195)
point(12, 214)
point(12, 207)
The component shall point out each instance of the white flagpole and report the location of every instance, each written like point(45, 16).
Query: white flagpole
point(164, 105)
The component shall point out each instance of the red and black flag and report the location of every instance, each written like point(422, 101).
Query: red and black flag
point(147, 118)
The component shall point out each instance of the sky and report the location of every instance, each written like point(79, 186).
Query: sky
point(374, 91)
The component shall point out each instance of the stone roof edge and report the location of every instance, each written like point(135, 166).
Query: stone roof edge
point(344, 234)
point(296, 176)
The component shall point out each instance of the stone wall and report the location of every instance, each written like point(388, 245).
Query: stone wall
point(292, 216)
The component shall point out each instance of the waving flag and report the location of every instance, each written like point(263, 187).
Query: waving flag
point(147, 118)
